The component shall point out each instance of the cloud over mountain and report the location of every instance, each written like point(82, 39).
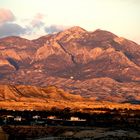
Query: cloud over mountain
point(55, 28)
point(37, 21)
point(6, 16)
point(7, 25)
point(11, 29)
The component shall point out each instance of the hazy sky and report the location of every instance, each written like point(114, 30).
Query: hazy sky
point(33, 18)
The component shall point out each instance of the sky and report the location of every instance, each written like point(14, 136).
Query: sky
point(34, 18)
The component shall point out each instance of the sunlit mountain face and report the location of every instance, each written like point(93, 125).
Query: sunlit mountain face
point(96, 64)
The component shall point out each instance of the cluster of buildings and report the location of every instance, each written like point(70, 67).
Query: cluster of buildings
point(37, 120)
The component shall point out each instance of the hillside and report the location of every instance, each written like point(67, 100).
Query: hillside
point(22, 97)
point(95, 64)
point(31, 97)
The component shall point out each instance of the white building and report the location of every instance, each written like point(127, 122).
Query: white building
point(76, 119)
point(18, 118)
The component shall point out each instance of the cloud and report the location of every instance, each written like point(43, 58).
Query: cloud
point(12, 29)
point(6, 16)
point(55, 28)
point(7, 25)
point(34, 27)
point(39, 16)
point(37, 21)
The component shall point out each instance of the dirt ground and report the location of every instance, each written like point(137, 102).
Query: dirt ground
point(71, 133)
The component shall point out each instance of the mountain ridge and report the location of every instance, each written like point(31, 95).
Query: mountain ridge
point(72, 58)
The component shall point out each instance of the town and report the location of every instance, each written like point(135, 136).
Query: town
point(57, 122)
point(66, 117)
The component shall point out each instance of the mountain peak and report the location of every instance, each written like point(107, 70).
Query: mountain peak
point(73, 32)
point(76, 29)
point(104, 34)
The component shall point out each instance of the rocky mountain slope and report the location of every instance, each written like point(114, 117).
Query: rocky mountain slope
point(95, 64)
point(32, 97)
point(21, 97)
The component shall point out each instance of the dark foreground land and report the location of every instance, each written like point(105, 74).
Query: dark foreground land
point(59, 124)
point(70, 133)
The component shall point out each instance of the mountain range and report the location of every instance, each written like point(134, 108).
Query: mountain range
point(98, 65)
